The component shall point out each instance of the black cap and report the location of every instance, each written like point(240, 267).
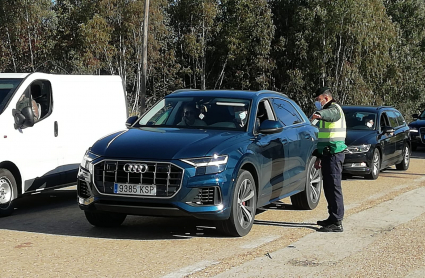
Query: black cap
point(320, 91)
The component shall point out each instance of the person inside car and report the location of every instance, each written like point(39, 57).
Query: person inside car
point(369, 121)
point(241, 114)
point(191, 116)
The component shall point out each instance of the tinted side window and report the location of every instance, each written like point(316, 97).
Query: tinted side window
point(400, 118)
point(286, 113)
point(392, 118)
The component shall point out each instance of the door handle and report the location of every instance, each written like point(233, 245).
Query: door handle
point(284, 141)
point(307, 136)
point(56, 131)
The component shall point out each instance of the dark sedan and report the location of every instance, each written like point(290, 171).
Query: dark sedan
point(377, 137)
point(417, 130)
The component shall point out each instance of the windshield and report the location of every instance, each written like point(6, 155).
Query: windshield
point(360, 120)
point(198, 112)
point(7, 88)
point(422, 115)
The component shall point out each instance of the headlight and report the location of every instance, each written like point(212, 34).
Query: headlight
point(87, 159)
point(359, 149)
point(208, 165)
point(413, 129)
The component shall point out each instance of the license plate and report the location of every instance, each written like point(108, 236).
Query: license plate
point(135, 189)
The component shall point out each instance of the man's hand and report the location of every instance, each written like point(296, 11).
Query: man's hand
point(316, 116)
point(317, 164)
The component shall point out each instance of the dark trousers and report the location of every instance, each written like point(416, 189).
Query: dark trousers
point(332, 172)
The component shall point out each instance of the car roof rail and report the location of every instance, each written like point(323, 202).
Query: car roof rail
point(270, 91)
point(183, 90)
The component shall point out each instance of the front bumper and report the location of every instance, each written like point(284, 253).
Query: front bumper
point(358, 163)
point(418, 138)
point(203, 197)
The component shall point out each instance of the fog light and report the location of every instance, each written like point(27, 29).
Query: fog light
point(85, 202)
point(361, 164)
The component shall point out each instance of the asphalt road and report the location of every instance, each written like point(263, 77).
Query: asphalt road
point(48, 236)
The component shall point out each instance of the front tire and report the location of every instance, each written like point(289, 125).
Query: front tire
point(404, 164)
point(376, 165)
point(244, 204)
point(8, 192)
point(105, 219)
point(310, 197)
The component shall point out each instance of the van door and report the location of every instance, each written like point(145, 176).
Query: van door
point(37, 144)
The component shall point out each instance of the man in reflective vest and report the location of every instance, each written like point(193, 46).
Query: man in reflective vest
point(330, 153)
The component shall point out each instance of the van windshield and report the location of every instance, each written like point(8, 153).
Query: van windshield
point(7, 88)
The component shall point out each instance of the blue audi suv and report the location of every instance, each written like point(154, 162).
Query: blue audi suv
point(213, 154)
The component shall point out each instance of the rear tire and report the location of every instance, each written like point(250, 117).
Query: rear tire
point(310, 197)
point(404, 164)
point(376, 165)
point(105, 219)
point(244, 204)
point(8, 192)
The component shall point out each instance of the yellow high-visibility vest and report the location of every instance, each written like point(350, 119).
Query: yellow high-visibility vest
point(333, 131)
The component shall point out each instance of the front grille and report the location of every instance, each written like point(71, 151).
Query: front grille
point(422, 134)
point(165, 176)
point(83, 189)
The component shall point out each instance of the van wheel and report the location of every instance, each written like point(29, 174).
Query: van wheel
point(310, 197)
point(243, 208)
point(376, 165)
point(8, 192)
point(404, 164)
point(105, 219)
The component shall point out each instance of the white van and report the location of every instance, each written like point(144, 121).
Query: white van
point(47, 122)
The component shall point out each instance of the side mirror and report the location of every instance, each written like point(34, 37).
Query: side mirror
point(388, 129)
point(23, 118)
point(415, 116)
point(130, 121)
point(270, 127)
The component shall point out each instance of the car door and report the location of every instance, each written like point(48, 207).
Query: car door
point(386, 140)
point(271, 149)
point(38, 144)
point(399, 134)
point(295, 149)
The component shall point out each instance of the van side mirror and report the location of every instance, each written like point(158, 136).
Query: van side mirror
point(23, 118)
point(415, 116)
point(388, 129)
point(269, 127)
point(130, 121)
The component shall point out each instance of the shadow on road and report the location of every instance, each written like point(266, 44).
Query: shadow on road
point(312, 226)
point(57, 213)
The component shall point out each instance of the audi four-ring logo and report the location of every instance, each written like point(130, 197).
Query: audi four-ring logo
point(135, 168)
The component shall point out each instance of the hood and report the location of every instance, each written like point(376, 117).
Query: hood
point(418, 123)
point(359, 137)
point(163, 143)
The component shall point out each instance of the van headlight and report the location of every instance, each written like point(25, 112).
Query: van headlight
point(359, 149)
point(86, 163)
point(208, 165)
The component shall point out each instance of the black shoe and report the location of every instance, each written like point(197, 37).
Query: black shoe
point(331, 228)
point(325, 222)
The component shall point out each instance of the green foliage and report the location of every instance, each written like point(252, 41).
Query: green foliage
point(367, 51)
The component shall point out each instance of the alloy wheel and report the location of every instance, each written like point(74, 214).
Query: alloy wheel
point(5, 190)
point(246, 203)
point(315, 187)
